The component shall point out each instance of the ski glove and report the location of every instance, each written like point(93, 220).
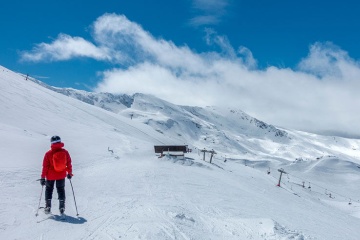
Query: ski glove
point(69, 176)
point(42, 181)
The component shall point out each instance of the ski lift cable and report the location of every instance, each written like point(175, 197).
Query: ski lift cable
point(326, 189)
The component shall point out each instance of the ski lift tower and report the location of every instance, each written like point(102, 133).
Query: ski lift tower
point(281, 173)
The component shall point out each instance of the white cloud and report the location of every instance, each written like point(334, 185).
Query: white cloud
point(64, 47)
point(325, 60)
point(204, 20)
point(209, 12)
point(212, 38)
point(321, 95)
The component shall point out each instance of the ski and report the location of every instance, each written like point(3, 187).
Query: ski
point(60, 218)
point(51, 216)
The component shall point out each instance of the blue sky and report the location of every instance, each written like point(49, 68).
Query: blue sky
point(290, 63)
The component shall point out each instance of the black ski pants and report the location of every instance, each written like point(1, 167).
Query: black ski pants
point(60, 187)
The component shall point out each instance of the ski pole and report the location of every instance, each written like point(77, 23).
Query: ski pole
point(37, 211)
point(77, 214)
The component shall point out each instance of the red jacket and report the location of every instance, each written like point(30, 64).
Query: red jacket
point(48, 170)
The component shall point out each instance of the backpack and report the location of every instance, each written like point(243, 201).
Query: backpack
point(59, 161)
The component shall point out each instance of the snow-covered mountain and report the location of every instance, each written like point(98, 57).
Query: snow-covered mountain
point(164, 116)
point(231, 132)
point(124, 191)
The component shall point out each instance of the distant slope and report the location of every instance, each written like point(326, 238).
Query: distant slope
point(231, 132)
point(28, 106)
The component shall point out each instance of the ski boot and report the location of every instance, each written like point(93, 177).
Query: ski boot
point(62, 206)
point(47, 208)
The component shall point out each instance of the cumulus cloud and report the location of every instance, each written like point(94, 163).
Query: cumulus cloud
point(320, 95)
point(64, 47)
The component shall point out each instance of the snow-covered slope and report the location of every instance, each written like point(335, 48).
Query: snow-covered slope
point(230, 132)
point(131, 194)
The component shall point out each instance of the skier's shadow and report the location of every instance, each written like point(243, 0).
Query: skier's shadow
point(70, 219)
point(76, 220)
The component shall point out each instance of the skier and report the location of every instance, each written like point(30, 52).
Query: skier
point(56, 166)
